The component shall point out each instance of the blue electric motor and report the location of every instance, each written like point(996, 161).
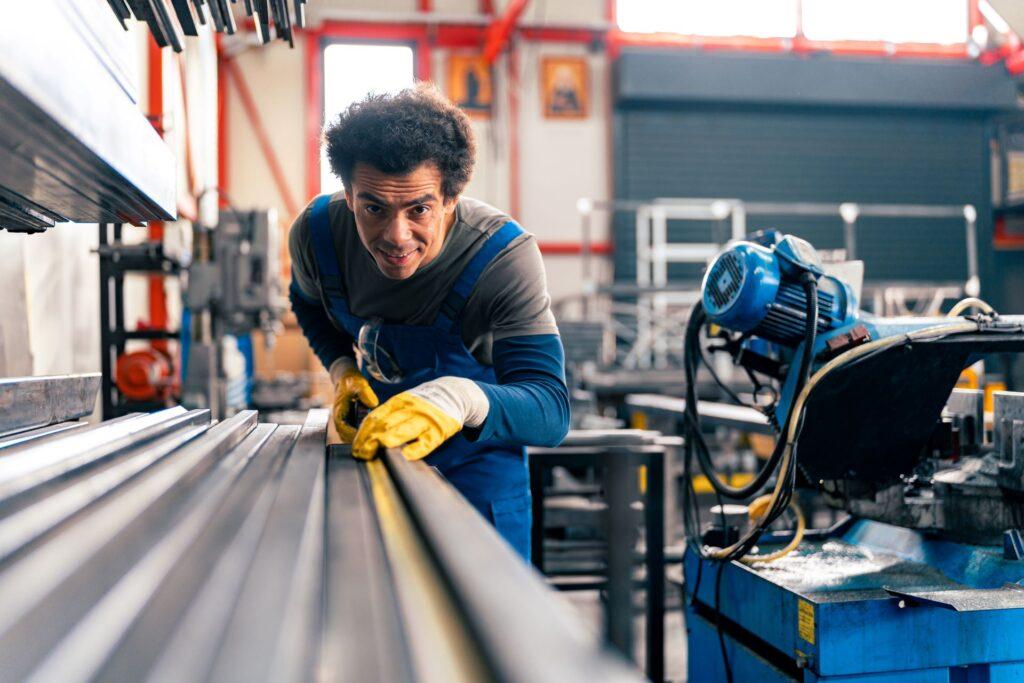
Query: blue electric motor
point(755, 287)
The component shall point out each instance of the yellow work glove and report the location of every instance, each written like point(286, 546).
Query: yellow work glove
point(349, 384)
point(422, 418)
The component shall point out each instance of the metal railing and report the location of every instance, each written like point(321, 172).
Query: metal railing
point(646, 319)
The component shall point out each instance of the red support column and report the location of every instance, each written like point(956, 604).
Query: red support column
point(155, 91)
point(314, 111)
point(223, 179)
point(513, 132)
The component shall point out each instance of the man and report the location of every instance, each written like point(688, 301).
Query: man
point(443, 299)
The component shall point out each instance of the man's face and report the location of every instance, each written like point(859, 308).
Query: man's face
point(401, 219)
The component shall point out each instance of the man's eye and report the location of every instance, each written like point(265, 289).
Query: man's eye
point(421, 210)
point(373, 209)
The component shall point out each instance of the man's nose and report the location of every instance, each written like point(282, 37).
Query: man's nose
point(398, 231)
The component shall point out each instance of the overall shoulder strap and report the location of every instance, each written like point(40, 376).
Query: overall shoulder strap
point(451, 307)
point(323, 247)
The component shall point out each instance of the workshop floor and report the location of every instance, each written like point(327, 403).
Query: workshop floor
point(588, 605)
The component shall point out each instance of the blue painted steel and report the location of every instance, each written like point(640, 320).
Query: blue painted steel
point(739, 286)
point(185, 339)
point(244, 342)
point(860, 633)
point(755, 288)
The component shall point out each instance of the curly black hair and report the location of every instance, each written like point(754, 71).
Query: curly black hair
point(395, 133)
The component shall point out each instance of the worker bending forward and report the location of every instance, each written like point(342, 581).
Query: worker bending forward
point(428, 307)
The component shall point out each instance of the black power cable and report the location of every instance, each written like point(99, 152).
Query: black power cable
point(695, 444)
point(692, 355)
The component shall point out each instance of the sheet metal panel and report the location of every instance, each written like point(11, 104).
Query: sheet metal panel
point(827, 603)
point(75, 145)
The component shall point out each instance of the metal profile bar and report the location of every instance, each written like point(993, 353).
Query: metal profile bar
point(441, 646)
point(131, 617)
point(48, 591)
point(186, 19)
point(30, 523)
point(178, 567)
point(189, 653)
point(273, 632)
point(549, 645)
point(363, 638)
point(38, 434)
point(724, 414)
point(28, 402)
point(34, 467)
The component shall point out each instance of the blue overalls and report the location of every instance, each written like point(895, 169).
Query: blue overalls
point(493, 476)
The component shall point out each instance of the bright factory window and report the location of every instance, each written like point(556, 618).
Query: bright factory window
point(890, 21)
point(759, 18)
point(351, 71)
point(893, 21)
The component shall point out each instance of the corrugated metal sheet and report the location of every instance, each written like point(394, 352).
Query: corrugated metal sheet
point(792, 153)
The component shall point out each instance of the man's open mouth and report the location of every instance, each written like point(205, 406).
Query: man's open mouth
point(397, 258)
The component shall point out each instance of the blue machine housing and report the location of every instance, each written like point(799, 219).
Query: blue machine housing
point(756, 289)
point(864, 603)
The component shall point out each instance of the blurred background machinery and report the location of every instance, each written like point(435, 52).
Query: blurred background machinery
point(232, 289)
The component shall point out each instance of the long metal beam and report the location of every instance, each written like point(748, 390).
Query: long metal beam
point(29, 402)
point(165, 547)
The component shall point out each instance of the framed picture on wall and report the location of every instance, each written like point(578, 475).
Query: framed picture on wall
point(469, 84)
point(565, 85)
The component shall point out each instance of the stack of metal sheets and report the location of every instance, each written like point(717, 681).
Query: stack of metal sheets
point(166, 547)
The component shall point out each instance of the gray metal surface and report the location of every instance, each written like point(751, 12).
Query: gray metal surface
point(30, 402)
point(75, 145)
point(966, 599)
point(164, 547)
point(362, 623)
point(524, 633)
point(724, 414)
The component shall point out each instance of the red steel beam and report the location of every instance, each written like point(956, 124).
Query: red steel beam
point(155, 92)
point(574, 248)
point(500, 30)
point(314, 111)
point(262, 138)
point(512, 61)
point(223, 179)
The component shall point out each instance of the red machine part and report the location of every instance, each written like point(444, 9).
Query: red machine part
point(145, 375)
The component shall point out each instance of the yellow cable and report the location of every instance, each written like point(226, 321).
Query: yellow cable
point(798, 535)
point(970, 302)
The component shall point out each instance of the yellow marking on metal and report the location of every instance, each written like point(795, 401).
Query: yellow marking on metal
point(702, 485)
point(642, 478)
point(442, 649)
point(805, 620)
point(968, 379)
point(990, 399)
point(638, 420)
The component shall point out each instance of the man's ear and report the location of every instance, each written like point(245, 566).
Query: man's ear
point(348, 196)
point(449, 204)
